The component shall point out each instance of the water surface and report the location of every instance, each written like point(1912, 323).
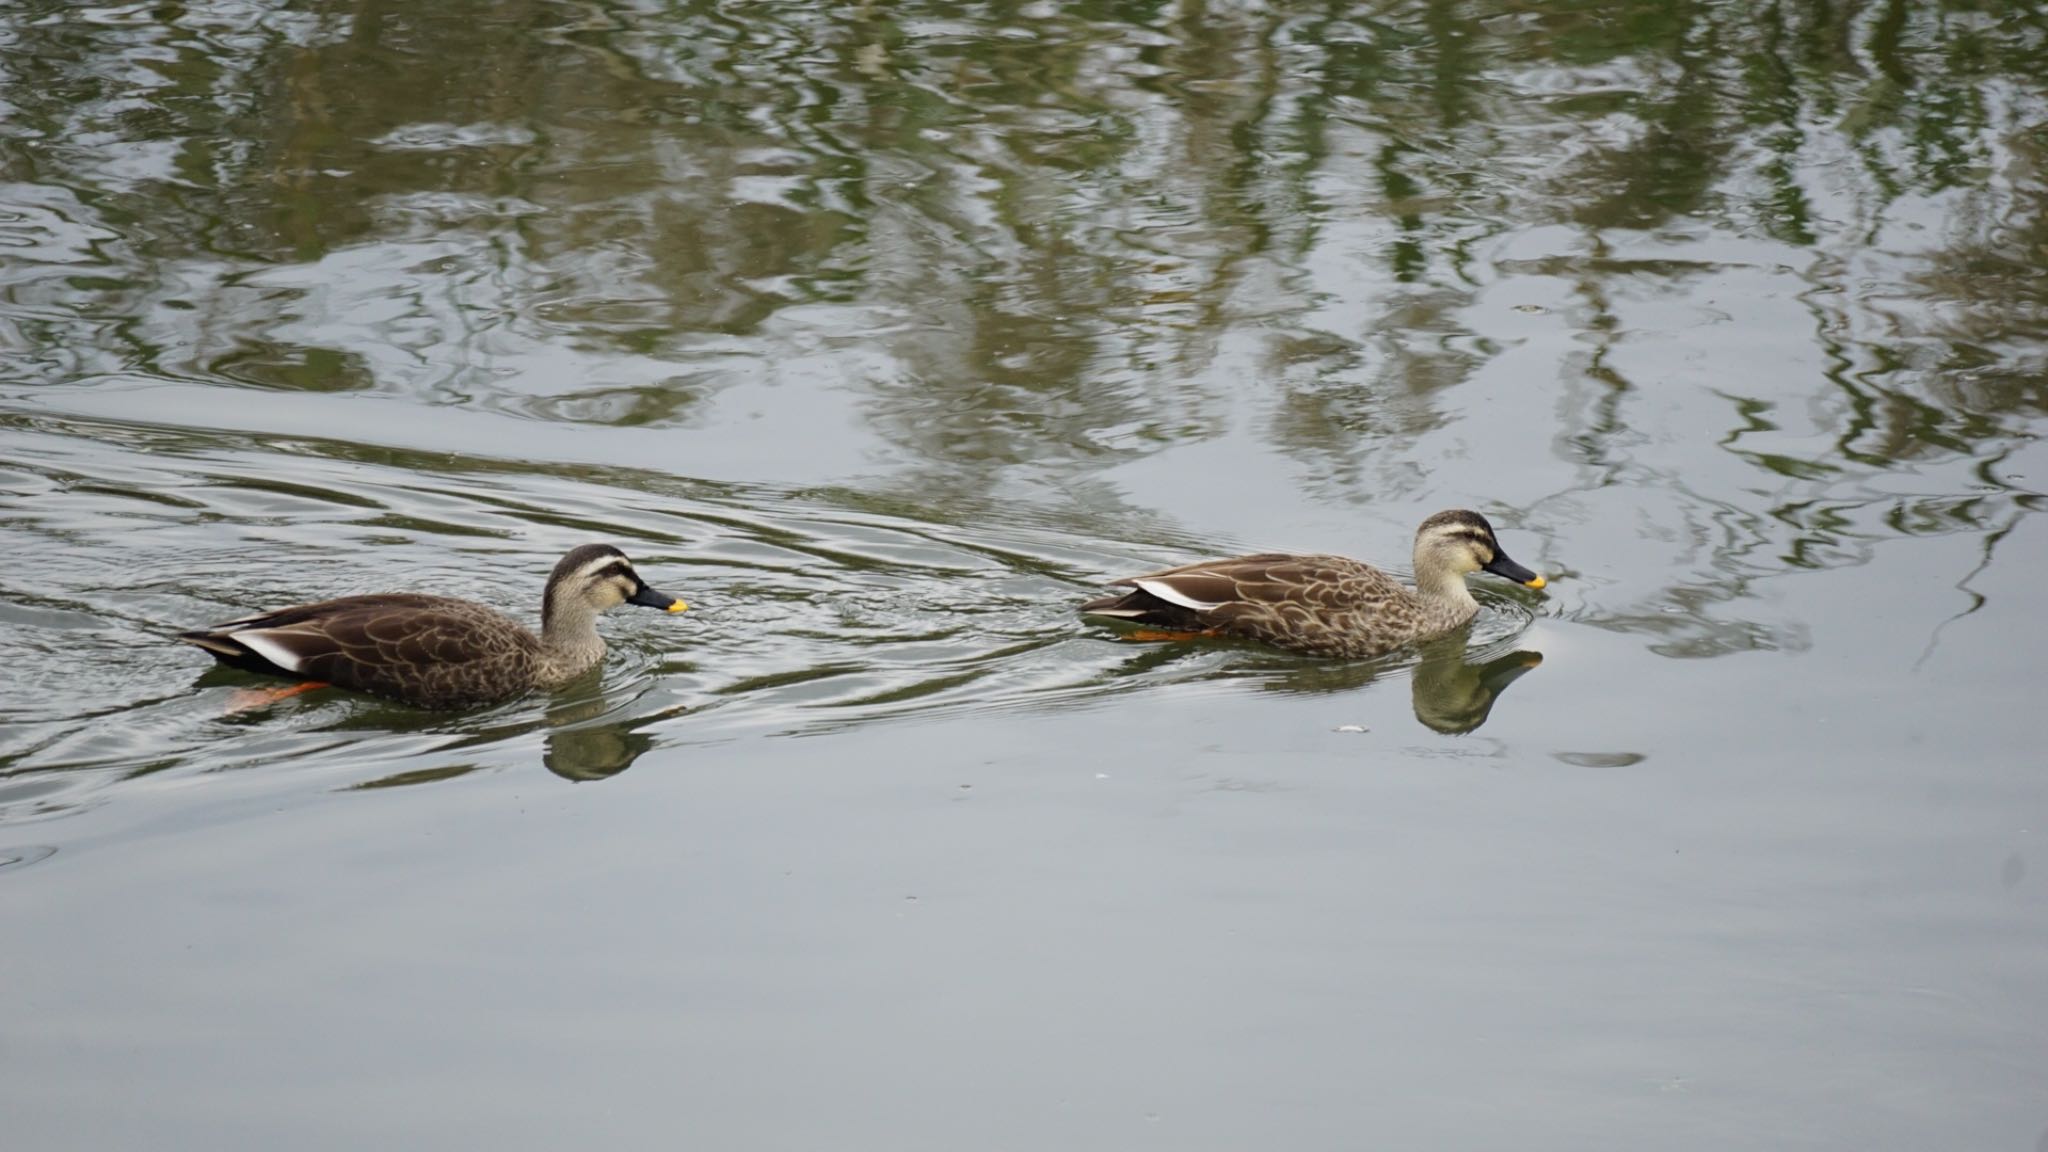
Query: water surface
point(884, 334)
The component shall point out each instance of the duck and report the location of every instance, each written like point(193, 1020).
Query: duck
point(438, 652)
point(1320, 605)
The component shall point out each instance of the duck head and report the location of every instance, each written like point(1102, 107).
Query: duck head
point(1453, 543)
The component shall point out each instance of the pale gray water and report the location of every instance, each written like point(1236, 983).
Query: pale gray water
point(884, 335)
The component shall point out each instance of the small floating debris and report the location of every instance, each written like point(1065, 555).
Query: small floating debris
point(1599, 759)
point(1350, 728)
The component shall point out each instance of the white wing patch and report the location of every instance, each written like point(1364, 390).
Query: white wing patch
point(1172, 595)
point(270, 649)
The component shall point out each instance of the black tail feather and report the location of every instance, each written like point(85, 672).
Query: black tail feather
point(223, 647)
point(1141, 607)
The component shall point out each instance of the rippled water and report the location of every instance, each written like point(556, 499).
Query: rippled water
point(813, 609)
point(885, 335)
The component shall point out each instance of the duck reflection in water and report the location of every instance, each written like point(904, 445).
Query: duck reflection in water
point(584, 754)
point(1450, 693)
point(1454, 697)
point(579, 750)
point(578, 744)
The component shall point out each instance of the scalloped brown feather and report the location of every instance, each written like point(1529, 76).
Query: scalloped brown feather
point(427, 651)
point(1317, 604)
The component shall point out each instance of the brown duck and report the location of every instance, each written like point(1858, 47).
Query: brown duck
point(436, 651)
point(1321, 605)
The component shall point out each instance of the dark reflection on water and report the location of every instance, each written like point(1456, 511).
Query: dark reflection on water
point(595, 753)
point(1707, 295)
point(1018, 264)
point(1453, 682)
point(1454, 697)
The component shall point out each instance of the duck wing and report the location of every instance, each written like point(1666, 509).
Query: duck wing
point(1263, 579)
point(428, 650)
point(1319, 604)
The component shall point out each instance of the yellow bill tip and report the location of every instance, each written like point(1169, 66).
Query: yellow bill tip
point(678, 606)
point(1533, 582)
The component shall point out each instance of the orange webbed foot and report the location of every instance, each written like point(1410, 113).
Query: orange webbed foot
point(1149, 635)
point(249, 699)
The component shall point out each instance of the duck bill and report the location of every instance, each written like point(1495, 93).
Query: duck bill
point(1509, 570)
point(648, 598)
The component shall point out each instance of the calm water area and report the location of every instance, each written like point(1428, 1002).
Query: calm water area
point(885, 334)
